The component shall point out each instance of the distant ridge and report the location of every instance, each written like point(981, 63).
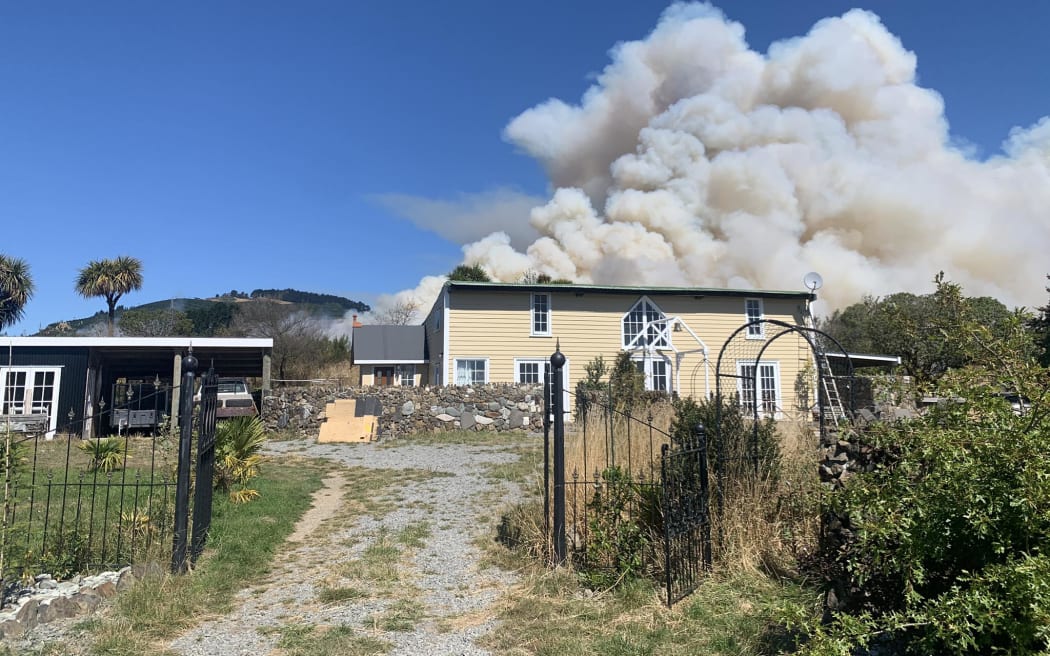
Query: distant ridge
point(323, 305)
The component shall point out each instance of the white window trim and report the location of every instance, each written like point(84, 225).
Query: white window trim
point(455, 369)
point(543, 362)
point(400, 372)
point(777, 388)
point(532, 315)
point(30, 370)
point(761, 334)
point(648, 358)
point(626, 343)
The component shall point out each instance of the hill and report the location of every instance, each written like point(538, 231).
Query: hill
point(210, 314)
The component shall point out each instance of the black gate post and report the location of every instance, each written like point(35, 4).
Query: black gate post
point(547, 407)
point(182, 481)
point(557, 385)
point(202, 494)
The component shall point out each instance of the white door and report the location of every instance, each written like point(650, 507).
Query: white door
point(31, 391)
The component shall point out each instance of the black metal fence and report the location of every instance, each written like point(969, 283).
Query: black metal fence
point(621, 492)
point(73, 504)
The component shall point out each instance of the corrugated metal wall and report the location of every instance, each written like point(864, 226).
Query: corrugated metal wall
point(72, 359)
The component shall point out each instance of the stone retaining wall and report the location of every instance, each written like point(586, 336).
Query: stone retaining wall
point(844, 455)
point(407, 410)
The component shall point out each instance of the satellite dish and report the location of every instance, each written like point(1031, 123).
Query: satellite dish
point(813, 281)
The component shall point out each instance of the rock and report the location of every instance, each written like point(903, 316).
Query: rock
point(408, 408)
point(26, 615)
point(106, 590)
point(11, 629)
point(59, 608)
point(282, 421)
point(454, 411)
point(322, 416)
point(516, 419)
point(86, 600)
point(444, 417)
point(126, 579)
point(466, 421)
point(493, 406)
point(47, 584)
point(484, 421)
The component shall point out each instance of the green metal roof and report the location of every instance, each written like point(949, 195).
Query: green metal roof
point(613, 289)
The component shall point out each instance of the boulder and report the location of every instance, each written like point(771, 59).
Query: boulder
point(466, 421)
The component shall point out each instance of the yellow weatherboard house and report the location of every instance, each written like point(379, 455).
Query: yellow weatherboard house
point(486, 332)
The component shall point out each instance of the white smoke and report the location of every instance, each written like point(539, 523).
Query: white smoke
point(694, 160)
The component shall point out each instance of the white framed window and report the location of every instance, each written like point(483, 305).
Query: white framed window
point(531, 370)
point(768, 391)
point(753, 311)
point(645, 316)
point(541, 315)
point(657, 372)
point(472, 371)
point(406, 375)
point(31, 391)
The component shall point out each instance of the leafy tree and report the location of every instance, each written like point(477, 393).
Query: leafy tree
point(296, 296)
point(1039, 327)
point(909, 326)
point(212, 319)
point(110, 279)
point(469, 273)
point(16, 288)
point(155, 323)
point(300, 347)
point(948, 553)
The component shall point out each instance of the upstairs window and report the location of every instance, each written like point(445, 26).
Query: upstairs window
point(541, 314)
point(645, 316)
point(753, 312)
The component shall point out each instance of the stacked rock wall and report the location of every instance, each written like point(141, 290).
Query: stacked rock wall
point(407, 410)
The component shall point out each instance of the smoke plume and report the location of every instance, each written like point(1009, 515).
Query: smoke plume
point(694, 160)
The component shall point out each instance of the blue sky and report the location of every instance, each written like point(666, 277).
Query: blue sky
point(242, 145)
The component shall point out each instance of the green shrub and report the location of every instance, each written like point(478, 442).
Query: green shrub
point(106, 453)
point(948, 553)
point(618, 538)
point(237, 459)
point(731, 436)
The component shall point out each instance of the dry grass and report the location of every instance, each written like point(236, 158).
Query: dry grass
point(606, 440)
point(766, 524)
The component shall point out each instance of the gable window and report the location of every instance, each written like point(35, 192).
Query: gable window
point(30, 391)
point(645, 317)
point(767, 394)
point(541, 314)
point(753, 312)
point(472, 371)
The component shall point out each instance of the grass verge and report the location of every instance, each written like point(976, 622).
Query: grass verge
point(242, 543)
point(734, 615)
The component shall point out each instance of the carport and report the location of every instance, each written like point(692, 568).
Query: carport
point(77, 374)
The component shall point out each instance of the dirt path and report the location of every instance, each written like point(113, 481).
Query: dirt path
point(386, 561)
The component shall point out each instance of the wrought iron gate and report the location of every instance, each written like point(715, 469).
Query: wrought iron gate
point(205, 463)
point(686, 516)
point(670, 503)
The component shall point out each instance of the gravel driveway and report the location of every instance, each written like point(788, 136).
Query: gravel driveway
point(386, 561)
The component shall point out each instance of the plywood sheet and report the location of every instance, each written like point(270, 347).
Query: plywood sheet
point(342, 424)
